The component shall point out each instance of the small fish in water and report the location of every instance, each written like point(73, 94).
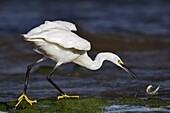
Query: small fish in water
point(150, 91)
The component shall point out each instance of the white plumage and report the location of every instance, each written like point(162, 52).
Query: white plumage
point(56, 41)
point(58, 32)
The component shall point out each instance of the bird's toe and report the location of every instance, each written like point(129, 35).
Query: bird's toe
point(24, 96)
point(63, 96)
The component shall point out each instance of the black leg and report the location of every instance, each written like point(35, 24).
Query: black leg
point(28, 72)
point(49, 79)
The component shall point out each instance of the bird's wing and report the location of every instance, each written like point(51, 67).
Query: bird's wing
point(48, 25)
point(64, 38)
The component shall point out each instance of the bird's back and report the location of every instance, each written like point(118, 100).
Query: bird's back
point(56, 35)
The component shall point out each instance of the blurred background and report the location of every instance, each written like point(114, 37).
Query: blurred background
point(136, 30)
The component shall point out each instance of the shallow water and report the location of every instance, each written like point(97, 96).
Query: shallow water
point(150, 64)
point(134, 109)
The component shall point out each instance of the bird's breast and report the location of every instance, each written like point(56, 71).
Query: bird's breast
point(56, 52)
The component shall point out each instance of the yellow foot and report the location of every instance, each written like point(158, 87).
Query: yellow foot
point(66, 96)
point(26, 98)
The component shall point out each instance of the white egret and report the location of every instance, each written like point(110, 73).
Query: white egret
point(55, 41)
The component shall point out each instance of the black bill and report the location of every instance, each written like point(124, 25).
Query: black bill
point(129, 71)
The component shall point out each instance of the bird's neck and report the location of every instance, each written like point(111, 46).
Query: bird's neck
point(86, 61)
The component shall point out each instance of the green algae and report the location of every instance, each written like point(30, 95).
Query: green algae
point(82, 105)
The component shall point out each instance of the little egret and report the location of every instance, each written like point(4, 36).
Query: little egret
point(56, 41)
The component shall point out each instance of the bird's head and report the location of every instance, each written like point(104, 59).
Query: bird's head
point(120, 63)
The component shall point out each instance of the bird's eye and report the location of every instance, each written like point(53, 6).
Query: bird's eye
point(120, 62)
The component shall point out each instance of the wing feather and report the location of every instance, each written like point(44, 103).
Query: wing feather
point(58, 32)
point(64, 38)
point(52, 25)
